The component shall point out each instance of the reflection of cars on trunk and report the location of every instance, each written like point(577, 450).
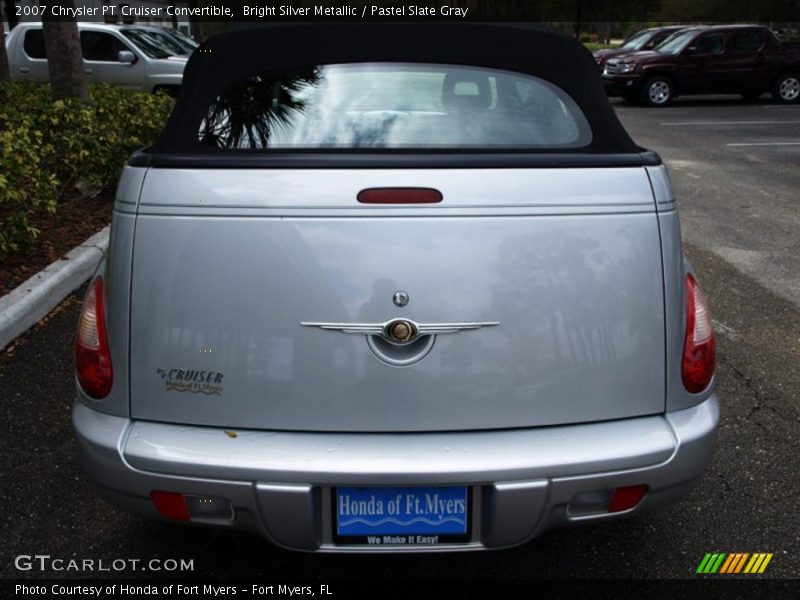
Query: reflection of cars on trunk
point(390, 295)
point(646, 39)
point(111, 54)
point(721, 59)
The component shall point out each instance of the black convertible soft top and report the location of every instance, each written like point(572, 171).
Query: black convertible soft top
point(248, 50)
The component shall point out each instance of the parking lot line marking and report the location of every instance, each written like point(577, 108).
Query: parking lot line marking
point(696, 123)
point(764, 144)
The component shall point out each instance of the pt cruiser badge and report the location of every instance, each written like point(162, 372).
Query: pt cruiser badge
point(401, 331)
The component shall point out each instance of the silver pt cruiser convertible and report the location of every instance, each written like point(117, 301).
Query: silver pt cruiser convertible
point(394, 288)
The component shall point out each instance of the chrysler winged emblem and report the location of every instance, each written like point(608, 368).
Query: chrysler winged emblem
point(401, 331)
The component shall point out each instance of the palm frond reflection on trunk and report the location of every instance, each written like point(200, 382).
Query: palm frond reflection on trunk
point(247, 114)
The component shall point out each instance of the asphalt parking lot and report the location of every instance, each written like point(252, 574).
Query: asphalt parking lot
point(736, 169)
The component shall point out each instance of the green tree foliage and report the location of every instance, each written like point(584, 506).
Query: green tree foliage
point(51, 150)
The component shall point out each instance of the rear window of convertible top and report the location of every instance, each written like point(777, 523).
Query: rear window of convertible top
point(393, 106)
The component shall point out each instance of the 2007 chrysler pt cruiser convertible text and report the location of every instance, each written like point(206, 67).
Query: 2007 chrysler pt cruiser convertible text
point(366, 294)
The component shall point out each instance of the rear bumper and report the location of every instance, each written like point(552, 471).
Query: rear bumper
point(280, 483)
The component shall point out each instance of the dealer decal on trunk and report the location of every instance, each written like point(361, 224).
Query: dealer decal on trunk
point(195, 382)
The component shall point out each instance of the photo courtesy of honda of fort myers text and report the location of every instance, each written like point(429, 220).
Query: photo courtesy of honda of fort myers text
point(486, 288)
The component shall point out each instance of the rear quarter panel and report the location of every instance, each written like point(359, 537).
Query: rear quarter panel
point(676, 266)
point(116, 271)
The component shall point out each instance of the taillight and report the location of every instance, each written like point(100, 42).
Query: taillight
point(399, 196)
point(92, 357)
point(699, 346)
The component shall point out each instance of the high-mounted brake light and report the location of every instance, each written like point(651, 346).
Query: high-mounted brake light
point(699, 346)
point(399, 196)
point(92, 356)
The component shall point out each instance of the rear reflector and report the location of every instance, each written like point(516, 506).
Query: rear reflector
point(699, 346)
point(399, 196)
point(92, 356)
point(171, 505)
point(627, 497)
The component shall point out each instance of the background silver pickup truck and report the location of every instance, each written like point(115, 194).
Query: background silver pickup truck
point(119, 55)
point(372, 295)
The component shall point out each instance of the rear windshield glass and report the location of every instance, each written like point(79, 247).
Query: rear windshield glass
point(391, 105)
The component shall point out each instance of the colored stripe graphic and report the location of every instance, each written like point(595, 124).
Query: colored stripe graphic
point(717, 564)
point(734, 562)
point(711, 562)
point(703, 563)
point(755, 561)
point(758, 563)
point(727, 564)
point(765, 563)
point(741, 562)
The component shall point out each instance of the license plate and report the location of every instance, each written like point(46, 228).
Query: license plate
point(401, 515)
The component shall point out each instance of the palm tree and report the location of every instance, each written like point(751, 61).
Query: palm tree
point(5, 73)
point(11, 16)
point(62, 45)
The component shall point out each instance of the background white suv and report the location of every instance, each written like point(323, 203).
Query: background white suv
point(113, 54)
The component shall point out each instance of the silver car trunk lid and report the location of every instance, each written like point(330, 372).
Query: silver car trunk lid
point(249, 287)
